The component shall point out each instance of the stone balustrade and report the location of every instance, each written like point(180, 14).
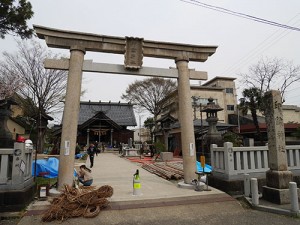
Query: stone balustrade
point(16, 167)
point(131, 152)
point(231, 163)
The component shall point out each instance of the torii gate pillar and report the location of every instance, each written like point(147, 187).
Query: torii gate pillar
point(186, 120)
point(70, 117)
point(134, 49)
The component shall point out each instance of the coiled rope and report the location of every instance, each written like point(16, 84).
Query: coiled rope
point(84, 201)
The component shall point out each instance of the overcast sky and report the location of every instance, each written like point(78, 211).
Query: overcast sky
point(240, 42)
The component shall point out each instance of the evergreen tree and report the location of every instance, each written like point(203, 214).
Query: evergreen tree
point(252, 101)
point(13, 18)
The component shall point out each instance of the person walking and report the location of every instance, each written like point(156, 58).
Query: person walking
point(85, 176)
point(91, 152)
point(120, 148)
point(97, 147)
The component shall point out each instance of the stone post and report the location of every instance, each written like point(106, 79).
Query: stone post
point(229, 159)
point(278, 177)
point(247, 185)
point(186, 121)
point(254, 191)
point(294, 197)
point(70, 122)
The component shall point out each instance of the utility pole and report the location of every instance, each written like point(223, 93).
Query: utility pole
point(238, 114)
point(202, 143)
point(140, 129)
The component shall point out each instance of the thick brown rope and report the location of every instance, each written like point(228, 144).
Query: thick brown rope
point(84, 201)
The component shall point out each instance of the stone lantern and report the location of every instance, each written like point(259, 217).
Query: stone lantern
point(213, 136)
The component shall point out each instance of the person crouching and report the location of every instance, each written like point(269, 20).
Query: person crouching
point(85, 176)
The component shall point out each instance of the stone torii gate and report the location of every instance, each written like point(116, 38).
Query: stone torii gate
point(133, 49)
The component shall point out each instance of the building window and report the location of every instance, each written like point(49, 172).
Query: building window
point(230, 107)
point(229, 90)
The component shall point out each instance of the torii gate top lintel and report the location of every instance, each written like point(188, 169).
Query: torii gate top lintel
point(110, 44)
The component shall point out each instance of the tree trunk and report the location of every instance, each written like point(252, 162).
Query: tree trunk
point(255, 121)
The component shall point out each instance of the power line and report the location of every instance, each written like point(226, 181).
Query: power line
point(260, 48)
point(263, 46)
point(238, 14)
point(292, 89)
point(293, 96)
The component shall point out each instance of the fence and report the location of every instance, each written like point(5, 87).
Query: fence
point(232, 163)
point(16, 167)
point(136, 146)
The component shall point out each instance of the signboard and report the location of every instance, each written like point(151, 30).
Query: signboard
point(192, 150)
point(67, 147)
point(133, 53)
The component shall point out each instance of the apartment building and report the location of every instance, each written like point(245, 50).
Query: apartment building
point(221, 89)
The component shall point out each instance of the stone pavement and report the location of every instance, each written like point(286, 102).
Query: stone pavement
point(161, 202)
point(118, 172)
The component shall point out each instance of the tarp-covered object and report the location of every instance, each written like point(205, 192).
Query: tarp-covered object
point(80, 155)
point(49, 166)
point(207, 168)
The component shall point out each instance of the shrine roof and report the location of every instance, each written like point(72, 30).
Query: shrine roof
point(121, 113)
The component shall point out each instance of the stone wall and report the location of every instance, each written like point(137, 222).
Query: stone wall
point(236, 187)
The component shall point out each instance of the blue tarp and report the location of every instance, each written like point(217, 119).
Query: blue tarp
point(79, 155)
point(49, 165)
point(207, 168)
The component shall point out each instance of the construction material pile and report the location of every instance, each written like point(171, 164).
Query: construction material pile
point(76, 202)
point(166, 170)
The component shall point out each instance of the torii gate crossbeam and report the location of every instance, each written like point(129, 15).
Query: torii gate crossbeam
point(90, 66)
point(133, 49)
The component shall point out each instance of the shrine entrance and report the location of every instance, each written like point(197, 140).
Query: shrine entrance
point(133, 49)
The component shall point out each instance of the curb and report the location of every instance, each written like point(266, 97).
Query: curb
point(150, 203)
point(163, 202)
point(270, 209)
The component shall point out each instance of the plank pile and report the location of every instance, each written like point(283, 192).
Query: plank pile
point(166, 170)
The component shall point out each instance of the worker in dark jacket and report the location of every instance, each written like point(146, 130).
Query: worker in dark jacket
point(91, 152)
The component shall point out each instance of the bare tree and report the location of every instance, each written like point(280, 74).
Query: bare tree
point(8, 86)
point(149, 92)
point(42, 90)
point(270, 74)
point(267, 74)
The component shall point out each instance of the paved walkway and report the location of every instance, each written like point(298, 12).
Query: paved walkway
point(161, 202)
point(118, 172)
